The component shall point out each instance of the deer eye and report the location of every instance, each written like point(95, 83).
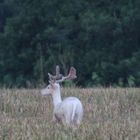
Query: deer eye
point(49, 87)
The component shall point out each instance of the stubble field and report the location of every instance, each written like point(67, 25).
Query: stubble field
point(109, 114)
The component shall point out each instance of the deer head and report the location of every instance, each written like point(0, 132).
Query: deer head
point(54, 80)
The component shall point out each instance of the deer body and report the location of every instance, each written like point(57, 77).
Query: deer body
point(69, 111)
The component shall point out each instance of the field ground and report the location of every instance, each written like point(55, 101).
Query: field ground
point(109, 114)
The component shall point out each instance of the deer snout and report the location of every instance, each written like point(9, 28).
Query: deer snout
point(43, 92)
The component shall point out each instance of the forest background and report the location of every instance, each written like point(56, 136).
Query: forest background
point(100, 38)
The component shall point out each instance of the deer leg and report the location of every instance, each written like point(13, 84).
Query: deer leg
point(54, 120)
point(67, 119)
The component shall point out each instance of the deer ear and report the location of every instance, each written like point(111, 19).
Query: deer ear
point(51, 83)
point(50, 76)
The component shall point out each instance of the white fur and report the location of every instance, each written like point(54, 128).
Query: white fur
point(69, 111)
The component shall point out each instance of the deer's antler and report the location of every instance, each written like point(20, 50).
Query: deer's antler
point(60, 78)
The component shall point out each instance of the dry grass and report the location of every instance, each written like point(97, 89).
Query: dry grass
point(110, 114)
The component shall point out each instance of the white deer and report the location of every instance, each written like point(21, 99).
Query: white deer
point(70, 110)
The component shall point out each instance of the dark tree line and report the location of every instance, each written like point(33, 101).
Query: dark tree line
point(101, 38)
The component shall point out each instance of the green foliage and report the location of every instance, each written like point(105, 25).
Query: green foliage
point(100, 38)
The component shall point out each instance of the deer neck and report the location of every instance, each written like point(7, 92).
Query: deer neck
point(56, 97)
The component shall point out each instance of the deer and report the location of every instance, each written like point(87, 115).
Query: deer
point(68, 111)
